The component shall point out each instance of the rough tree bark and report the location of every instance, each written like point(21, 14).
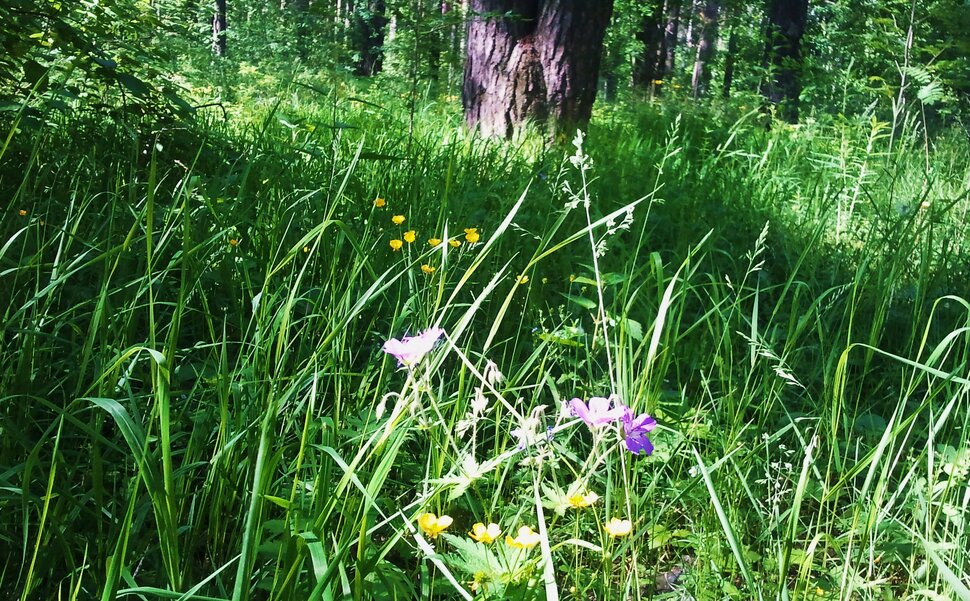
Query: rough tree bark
point(532, 60)
point(219, 24)
point(370, 23)
point(783, 55)
point(706, 45)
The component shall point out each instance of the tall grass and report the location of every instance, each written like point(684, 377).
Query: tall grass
point(195, 404)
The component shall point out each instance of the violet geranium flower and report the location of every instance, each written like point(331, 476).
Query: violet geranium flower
point(598, 413)
point(635, 430)
point(411, 349)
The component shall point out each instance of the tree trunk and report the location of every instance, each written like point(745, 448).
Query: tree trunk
point(532, 60)
point(370, 21)
point(705, 48)
point(783, 56)
point(219, 25)
point(648, 65)
point(732, 50)
point(670, 36)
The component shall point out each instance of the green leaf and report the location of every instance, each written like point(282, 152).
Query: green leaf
point(580, 300)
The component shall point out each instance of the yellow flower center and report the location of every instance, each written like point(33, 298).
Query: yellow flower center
point(617, 527)
point(433, 525)
point(485, 534)
point(526, 539)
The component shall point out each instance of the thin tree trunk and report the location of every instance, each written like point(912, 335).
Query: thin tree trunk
point(219, 25)
point(690, 35)
point(732, 51)
point(783, 56)
point(705, 48)
point(647, 66)
point(670, 37)
point(370, 23)
point(539, 63)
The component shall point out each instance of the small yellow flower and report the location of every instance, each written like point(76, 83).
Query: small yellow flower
point(472, 235)
point(432, 242)
point(485, 534)
point(22, 212)
point(396, 244)
point(398, 219)
point(410, 236)
point(523, 279)
point(433, 525)
point(545, 280)
point(526, 539)
point(380, 202)
point(578, 501)
point(306, 249)
point(572, 278)
point(233, 242)
point(658, 82)
point(617, 527)
point(454, 243)
point(427, 269)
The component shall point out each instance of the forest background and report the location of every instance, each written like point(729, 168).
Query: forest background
point(217, 214)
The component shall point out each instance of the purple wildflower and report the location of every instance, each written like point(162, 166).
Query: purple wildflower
point(635, 430)
point(598, 412)
point(410, 349)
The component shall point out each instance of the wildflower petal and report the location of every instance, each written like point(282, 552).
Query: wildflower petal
point(411, 349)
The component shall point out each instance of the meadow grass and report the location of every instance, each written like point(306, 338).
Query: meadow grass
point(195, 402)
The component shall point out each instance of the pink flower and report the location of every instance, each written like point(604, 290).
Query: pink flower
point(598, 412)
point(411, 349)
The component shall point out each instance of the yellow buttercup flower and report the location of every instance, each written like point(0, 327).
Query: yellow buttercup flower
point(472, 235)
point(433, 525)
point(398, 219)
point(617, 527)
point(233, 242)
point(22, 212)
point(578, 501)
point(396, 244)
point(306, 249)
point(572, 277)
point(526, 539)
point(427, 269)
point(485, 534)
point(379, 202)
point(454, 243)
point(410, 236)
point(523, 279)
point(432, 242)
point(658, 82)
